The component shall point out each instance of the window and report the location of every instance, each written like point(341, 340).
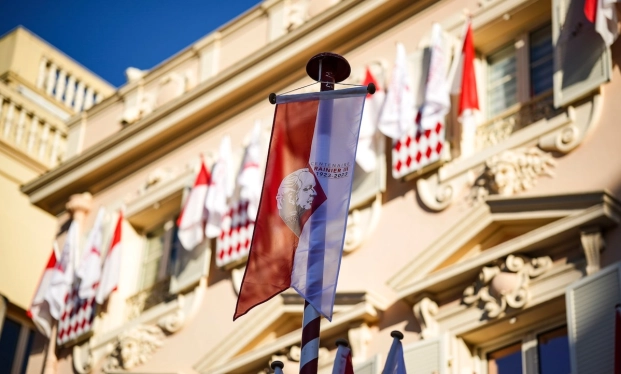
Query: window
point(152, 258)
point(15, 344)
point(507, 360)
point(553, 351)
point(510, 81)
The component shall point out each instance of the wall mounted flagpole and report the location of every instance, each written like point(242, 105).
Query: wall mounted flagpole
point(328, 69)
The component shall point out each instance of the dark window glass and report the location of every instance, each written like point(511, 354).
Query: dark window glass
point(501, 80)
point(31, 336)
point(507, 360)
point(8, 344)
point(541, 62)
point(553, 349)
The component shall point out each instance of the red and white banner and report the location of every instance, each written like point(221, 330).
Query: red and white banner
point(399, 110)
point(39, 310)
point(603, 14)
point(220, 189)
point(342, 361)
point(366, 156)
point(61, 280)
point(436, 102)
point(465, 84)
point(300, 228)
point(77, 318)
point(89, 270)
point(249, 178)
point(112, 265)
point(193, 217)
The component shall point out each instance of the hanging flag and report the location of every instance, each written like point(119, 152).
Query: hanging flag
point(61, 280)
point(237, 225)
point(436, 102)
point(112, 265)
point(395, 363)
point(89, 270)
point(77, 317)
point(398, 113)
point(249, 178)
point(220, 189)
point(300, 229)
point(342, 361)
point(465, 85)
point(603, 14)
point(39, 310)
point(193, 217)
point(368, 139)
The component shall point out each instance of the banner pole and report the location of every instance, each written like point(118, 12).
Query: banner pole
point(328, 69)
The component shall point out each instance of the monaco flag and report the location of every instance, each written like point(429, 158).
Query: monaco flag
point(342, 361)
point(89, 270)
point(465, 84)
point(398, 113)
point(436, 103)
point(249, 177)
point(366, 156)
point(220, 189)
point(62, 274)
point(39, 310)
point(603, 14)
point(112, 265)
point(300, 228)
point(191, 221)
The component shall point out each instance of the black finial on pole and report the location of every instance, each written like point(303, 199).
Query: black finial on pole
point(397, 334)
point(343, 342)
point(371, 88)
point(272, 98)
point(277, 364)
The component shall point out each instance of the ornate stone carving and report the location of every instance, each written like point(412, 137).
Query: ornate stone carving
point(297, 14)
point(148, 298)
point(425, 311)
point(361, 223)
point(359, 340)
point(513, 171)
point(592, 244)
point(82, 358)
point(172, 322)
point(434, 194)
point(134, 347)
point(505, 284)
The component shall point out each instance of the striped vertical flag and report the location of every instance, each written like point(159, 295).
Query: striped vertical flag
point(342, 361)
point(300, 228)
point(366, 156)
point(89, 270)
point(191, 221)
point(112, 265)
point(220, 189)
point(395, 362)
point(61, 280)
point(39, 311)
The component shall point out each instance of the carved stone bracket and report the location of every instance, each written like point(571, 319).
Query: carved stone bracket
point(425, 312)
point(592, 244)
point(505, 284)
point(172, 323)
point(359, 339)
point(82, 358)
point(134, 347)
point(361, 223)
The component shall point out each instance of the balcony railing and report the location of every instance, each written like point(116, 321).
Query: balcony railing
point(148, 298)
point(519, 117)
point(25, 130)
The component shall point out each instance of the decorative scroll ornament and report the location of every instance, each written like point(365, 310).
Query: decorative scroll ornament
point(505, 285)
point(513, 171)
point(359, 341)
point(361, 223)
point(134, 347)
point(172, 323)
point(425, 311)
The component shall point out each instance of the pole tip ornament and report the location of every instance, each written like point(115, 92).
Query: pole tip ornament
point(343, 342)
point(335, 64)
point(272, 98)
point(371, 88)
point(277, 364)
point(397, 335)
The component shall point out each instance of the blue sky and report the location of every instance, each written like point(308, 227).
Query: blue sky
point(109, 36)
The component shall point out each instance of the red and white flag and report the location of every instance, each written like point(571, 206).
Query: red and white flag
point(62, 276)
point(465, 84)
point(399, 113)
point(112, 265)
point(193, 217)
point(220, 189)
point(300, 228)
point(39, 310)
point(366, 156)
point(603, 14)
point(437, 102)
point(89, 270)
point(342, 361)
point(249, 177)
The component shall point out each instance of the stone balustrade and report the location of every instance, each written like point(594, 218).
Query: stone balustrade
point(22, 127)
point(65, 87)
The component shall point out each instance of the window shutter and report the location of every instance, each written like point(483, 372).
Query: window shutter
point(590, 320)
point(368, 367)
point(425, 357)
point(582, 61)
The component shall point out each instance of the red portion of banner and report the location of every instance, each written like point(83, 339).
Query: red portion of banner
point(469, 98)
point(590, 10)
point(270, 261)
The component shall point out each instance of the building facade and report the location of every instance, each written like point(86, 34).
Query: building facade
point(505, 257)
point(40, 89)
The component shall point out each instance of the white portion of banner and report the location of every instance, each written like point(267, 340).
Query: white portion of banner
point(89, 270)
point(63, 273)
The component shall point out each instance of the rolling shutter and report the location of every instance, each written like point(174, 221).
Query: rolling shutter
point(590, 320)
point(582, 61)
point(368, 367)
point(425, 357)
